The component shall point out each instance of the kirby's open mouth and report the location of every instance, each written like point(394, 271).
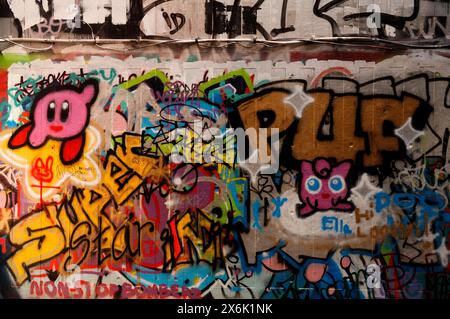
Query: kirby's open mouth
point(56, 128)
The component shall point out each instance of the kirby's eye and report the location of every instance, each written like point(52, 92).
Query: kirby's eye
point(51, 111)
point(313, 185)
point(64, 111)
point(336, 184)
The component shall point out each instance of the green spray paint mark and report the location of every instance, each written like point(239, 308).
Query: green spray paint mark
point(224, 79)
point(151, 74)
point(192, 58)
point(7, 60)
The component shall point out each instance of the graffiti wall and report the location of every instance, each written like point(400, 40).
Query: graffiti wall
point(188, 19)
point(144, 177)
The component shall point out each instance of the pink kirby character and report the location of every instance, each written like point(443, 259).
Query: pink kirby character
point(60, 114)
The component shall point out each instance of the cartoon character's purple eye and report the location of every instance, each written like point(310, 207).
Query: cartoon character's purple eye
point(51, 111)
point(64, 111)
point(336, 184)
point(313, 185)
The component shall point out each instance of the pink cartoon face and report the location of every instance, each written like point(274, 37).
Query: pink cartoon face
point(323, 186)
point(59, 114)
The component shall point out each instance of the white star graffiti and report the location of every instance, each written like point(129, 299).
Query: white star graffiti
point(299, 100)
point(408, 133)
point(443, 253)
point(365, 189)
